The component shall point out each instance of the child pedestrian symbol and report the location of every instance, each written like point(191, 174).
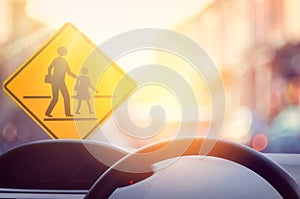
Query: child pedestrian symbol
point(82, 87)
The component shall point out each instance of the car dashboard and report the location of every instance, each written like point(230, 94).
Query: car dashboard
point(68, 169)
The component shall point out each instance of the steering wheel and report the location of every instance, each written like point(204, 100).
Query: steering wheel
point(140, 162)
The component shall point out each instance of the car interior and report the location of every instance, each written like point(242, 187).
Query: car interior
point(214, 114)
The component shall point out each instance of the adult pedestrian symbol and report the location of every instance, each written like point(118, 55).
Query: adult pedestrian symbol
point(57, 79)
point(68, 86)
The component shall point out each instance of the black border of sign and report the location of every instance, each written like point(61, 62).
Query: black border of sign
point(23, 66)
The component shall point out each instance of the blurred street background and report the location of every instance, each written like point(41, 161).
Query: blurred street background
point(255, 45)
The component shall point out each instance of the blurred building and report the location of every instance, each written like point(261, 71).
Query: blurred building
point(242, 38)
point(20, 36)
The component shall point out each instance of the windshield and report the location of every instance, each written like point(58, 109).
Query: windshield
point(256, 55)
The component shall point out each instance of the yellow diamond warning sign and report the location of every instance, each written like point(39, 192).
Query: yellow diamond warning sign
point(69, 87)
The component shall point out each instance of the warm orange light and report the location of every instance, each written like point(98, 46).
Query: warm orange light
point(101, 19)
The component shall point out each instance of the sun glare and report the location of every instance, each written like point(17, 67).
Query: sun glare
point(101, 19)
